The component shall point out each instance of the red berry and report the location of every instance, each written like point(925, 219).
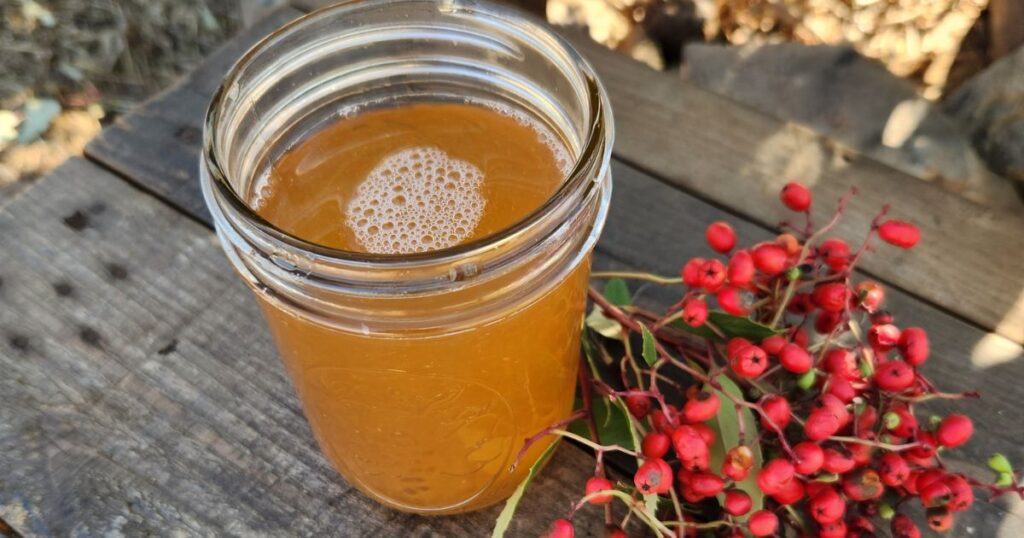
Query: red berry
point(835, 406)
point(903, 527)
point(834, 529)
point(899, 233)
point(809, 456)
point(770, 259)
point(924, 453)
point(735, 345)
point(654, 476)
point(826, 506)
point(841, 388)
point(561, 528)
point(775, 476)
point(720, 236)
point(870, 296)
point(712, 275)
point(738, 462)
point(690, 446)
point(841, 362)
point(821, 424)
point(796, 196)
point(961, 494)
point(655, 445)
point(741, 269)
point(597, 484)
point(616, 533)
point(795, 359)
point(883, 337)
point(691, 272)
point(893, 469)
point(826, 322)
point(800, 337)
point(836, 253)
point(763, 523)
point(791, 493)
point(939, 519)
point(737, 502)
point(749, 362)
point(954, 431)
point(935, 494)
point(702, 406)
point(638, 404)
point(790, 243)
point(706, 484)
point(777, 409)
point(662, 422)
point(773, 345)
point(731, 300)
point(905, 422)
point(832, 297)
point(695, 312)
point(801, 304)
point(837, 462)
point(706, 433)
point(894, 376)
point(863, 485)
point(913, 344)
point(927, 478)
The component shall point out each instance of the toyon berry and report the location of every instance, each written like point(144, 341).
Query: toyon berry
point(776, 409)
point(834, 529)
point(791, 493)
point(731, 300)
point(690, 447)
point(790, 243)
point(837, 461)
point(763, 523)
point(720, 236)
point(712, 275)
point(795, 359)
point(773, 345)
point(597, 484)
point(741, 269)
point(654, 476)
point(809, 457)
point(775, 476)
point(935, 493)
point(841, 362)
point(894, 376)
point(691, 272)
point(940, 519)
point(706, 484)
point(655, 445)
point(702, 406)
point(870, 296)
point(735, 345)
point(961, 495)
point(954, 431)
point(832, 297)
point(826, 322)
point(738, 462)
point(561, 528)
point(770, 259)
point(900, 421)
point(893, 469)
point(706, 433)
point(749, 362)
point(863, 485)
point(883, 337)
point(638, 405)
point(737, 502)
point(903, 527)
point(913, 345)
point(835, 253)
point(695, 312)
point(796, 196)
point(615, 532)
point(821, 424)
point(827, 506)
point(899, 233)
point(662, 421)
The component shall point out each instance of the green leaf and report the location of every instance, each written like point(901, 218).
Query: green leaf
point(505, 517)
point(1004, 480)
point(650, 352)
point(603, 325)
point(731, 326)
point(1000, 464)
point(617, 293)
point(728, 435)
point(612, 422)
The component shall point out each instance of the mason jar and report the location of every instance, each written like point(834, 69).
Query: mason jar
point(421, 374)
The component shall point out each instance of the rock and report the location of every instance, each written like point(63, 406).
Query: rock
point(991, 108)
point(854, 100)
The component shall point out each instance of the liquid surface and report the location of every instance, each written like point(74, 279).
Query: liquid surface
point(413, 178)
point(427, 421)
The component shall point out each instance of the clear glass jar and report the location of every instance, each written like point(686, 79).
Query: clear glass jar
point(421, 374)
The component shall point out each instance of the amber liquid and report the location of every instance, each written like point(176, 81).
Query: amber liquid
point(428, 421)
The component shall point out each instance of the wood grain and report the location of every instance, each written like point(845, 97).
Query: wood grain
point(143, 396)
point(654, 227)
point(970, 261)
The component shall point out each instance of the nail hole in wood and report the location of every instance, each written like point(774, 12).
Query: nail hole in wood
point(63, 288)
point(77, 221)
point(169, 348)
point(117, 271)
point(90, 336)
point(19, 342)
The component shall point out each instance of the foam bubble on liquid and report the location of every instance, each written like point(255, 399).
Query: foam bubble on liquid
point(416, 200)
point(544, 134)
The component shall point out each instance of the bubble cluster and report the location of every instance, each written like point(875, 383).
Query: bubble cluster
point(558, 150)
point(416, 200)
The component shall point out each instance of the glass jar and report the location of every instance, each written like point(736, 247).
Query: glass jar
point(420, 374)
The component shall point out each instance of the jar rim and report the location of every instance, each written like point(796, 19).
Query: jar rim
point(595, 147)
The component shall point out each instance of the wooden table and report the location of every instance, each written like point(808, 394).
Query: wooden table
point(142, 394)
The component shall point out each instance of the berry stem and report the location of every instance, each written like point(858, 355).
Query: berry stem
point(576, 415)
point(877, 444)
point(657, 279)
point(598, 447)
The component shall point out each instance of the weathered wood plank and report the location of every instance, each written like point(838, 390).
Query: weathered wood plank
point(143, 396)
point(157, 145)
point(970, 262)
point(654, 227)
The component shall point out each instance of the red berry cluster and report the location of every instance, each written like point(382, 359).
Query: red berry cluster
point(831, 382)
